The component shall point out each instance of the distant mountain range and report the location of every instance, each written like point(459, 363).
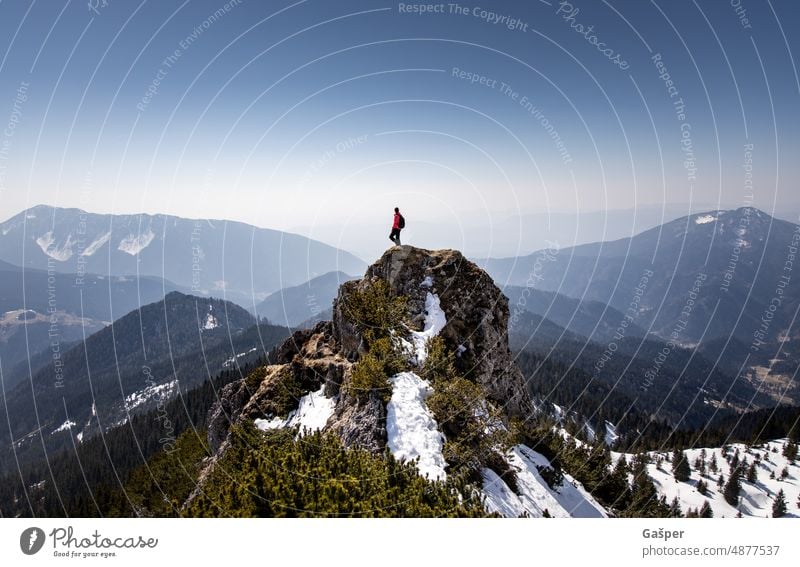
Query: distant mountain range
point(741, 253)
point(721, 281)
point(206, 257)
point(591, 319)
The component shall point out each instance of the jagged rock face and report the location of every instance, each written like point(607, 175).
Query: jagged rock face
point(344, 329)
point(307, 360)
point(477, 316)
point(477, 321)
point(360, 423)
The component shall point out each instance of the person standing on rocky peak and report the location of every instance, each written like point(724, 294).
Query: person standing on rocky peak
point(398, 225)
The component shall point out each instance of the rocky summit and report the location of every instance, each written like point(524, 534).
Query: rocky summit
point(323, 357)
point(360, 376)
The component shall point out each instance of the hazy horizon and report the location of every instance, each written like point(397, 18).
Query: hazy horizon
point(501, 239)
point(323, 115)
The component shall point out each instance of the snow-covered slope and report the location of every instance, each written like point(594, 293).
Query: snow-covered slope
point(163, 391)
point(533, 497)
point(756, 497)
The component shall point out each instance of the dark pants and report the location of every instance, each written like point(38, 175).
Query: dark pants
point(394, 236)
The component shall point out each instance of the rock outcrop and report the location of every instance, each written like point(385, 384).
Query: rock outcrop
point(324, 357)
point(477, 316)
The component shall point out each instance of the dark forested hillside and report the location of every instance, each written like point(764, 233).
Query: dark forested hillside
point(142, 360)
point(583, 400)
point(87, 479)
point(682, 387)
point(751, 427)
point(39, 308)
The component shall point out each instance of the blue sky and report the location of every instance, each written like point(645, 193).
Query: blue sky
point(291, 114)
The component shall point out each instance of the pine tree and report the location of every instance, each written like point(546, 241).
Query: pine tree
point(675, 509)
point(617, 484)
point(784, 473)
point(790, 451)
point(712, 466)
point(706, 511)
point(779, 505)
point(680, 466)
point(702, 487)
point(721, 481)
point(733, 487)
point(752, 474)
point(645, 501)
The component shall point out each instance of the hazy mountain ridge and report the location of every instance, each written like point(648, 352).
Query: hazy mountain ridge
point(292, 306)
point(711, 280)
point(240, 261)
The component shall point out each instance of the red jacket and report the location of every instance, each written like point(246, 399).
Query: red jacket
point(396, 220)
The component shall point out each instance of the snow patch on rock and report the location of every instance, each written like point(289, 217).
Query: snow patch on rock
point(704, 219)
point(312, 414)
point(314, 411)
point(413, 434)
point(97, 244)
point(233, 359)
point(210, 322)
point(611, 434)
point(162, 391)
point(59, 253)
point(64, 427)
point(274, 423)
point(134, 244)
point(435, 321)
